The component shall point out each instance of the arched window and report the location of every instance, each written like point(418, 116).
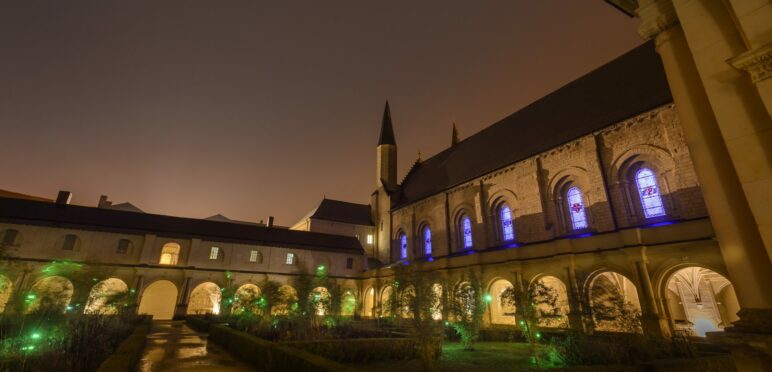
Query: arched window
point(402, 246)
point(123, 246)
point(10, 237)
point(427, 234)
point(466, 231)
point(507, 230)
point(169, 254)
point(576, 208)
point(651, 201)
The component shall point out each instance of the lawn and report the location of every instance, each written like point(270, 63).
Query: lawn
point(487, 356)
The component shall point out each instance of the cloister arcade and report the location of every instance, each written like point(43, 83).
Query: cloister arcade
point(693, 298)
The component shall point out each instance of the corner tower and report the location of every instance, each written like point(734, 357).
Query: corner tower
point(386, 158)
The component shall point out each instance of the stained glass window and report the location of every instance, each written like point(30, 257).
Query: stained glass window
point(466, 228)
point(649, 193)
point(427, 241)
point(507, 230)
point(402, 246)
point(576, 209)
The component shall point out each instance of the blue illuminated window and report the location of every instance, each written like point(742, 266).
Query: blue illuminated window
point(651, 201)
point(576, 208)
point(466, 228)
point(427, 241)
point(402, 246)
point(507, 230)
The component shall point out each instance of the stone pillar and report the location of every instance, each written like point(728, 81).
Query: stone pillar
point(653, 323)
point(741, 246)
point(135, 292)
point(575, 320)
point(729, 140)
point(711, 31)
point(182, 304)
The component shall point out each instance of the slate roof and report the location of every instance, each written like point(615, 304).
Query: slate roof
point(74, 216)
point(629, 85)
point(340, 211)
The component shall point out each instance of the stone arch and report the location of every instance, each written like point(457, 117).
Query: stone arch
point(246, 298)
point(50, 295)
point(437, 307)
point(501, 312)
point(551, 296)
point(159, 300)
point(461, 212)
point(6, 290)
point(205, 298)
point(107, 297)
point(287, 300)
point(699, 300)
point(463, 295)
point(560, 184)
point(348, 303)
point(622, 172)
point(369, 302)
point(320, 301)
point(387, 298)
point(614, 303)
point(406, 298)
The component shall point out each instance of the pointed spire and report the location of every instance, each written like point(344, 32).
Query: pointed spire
point(454, 140)
point(387, 132)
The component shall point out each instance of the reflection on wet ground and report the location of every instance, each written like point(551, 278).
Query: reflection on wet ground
point(173, 346)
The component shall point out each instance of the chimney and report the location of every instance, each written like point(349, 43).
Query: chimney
point(63, 198)
point(103, 202)
point(270, 221)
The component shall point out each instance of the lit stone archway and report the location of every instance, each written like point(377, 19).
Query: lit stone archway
point(320, 301)
point(246, 299)
point(107, 297)
point(437, 305)
point(369, 302)
point(700, 300)
point(614, 303)
point(387, 301)
point(348, 305)
point(406, 298)
point(288, 301)
point(205, 299)
point(551, 299)
point(6, 290)
point(501, 312)
point(159, 300)
point(50, 295)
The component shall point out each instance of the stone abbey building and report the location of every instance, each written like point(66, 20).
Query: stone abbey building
point(588, 190)
point(648, 178)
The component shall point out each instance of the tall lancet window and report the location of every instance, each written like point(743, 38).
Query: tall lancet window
point(402, 246)
point(466, 231)
point(427, 241)
point(576, 208)
point(507, 230)
point(651, 201)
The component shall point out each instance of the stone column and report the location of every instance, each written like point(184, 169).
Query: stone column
point(575, 320)
point(706, 95)
point(711, 30)
point(182, 304)
point(653, 323)
point(135, 292)
point(740, 242)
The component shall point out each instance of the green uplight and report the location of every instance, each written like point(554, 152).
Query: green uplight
point(538, 335)
point(69, 307)
point(320, 268)
point(522, 323)
point(447, 323)
point(35, 336)
point(31, 296)
point(488, 297)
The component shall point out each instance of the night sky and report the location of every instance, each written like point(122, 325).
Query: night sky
point(255, 108)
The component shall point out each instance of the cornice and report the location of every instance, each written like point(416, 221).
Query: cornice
point(657, 16)
point(756, 62)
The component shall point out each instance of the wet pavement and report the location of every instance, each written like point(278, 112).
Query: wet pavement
point(173, 346)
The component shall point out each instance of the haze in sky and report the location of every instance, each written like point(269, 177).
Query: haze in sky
point(256, 108)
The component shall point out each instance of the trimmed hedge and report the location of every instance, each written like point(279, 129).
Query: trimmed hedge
point(360, 350)
point(128, 353)
point(269, 355)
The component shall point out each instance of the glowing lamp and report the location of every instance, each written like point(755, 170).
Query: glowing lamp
point(488, 297)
